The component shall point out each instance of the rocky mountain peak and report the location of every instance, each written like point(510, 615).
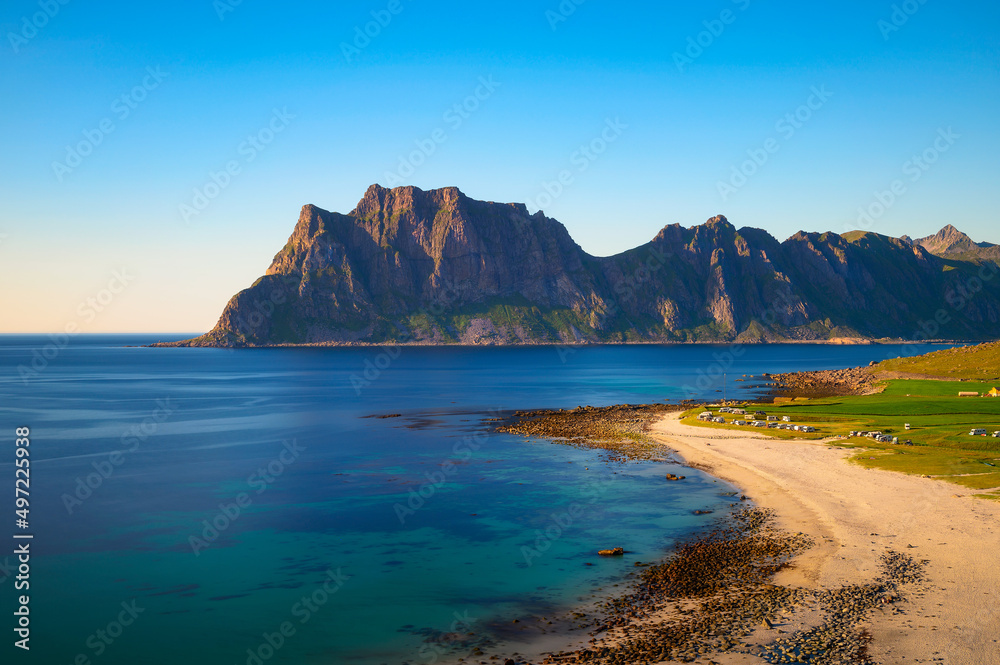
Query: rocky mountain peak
point(311, 222)
point(380, 200)
point(414, 266)
point(949, 240)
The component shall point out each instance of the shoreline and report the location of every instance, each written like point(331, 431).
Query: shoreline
point(945, 608)
point(184, 344)
point(853, 514)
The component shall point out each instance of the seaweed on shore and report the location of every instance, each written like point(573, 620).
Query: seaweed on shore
point(714, 592)
point(620, 430)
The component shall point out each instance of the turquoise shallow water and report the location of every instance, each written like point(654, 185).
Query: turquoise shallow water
point(252, 514)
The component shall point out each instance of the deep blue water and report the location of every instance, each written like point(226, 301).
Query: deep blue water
point(364, 538)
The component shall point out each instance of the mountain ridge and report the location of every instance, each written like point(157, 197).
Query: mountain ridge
point(408, 266)
point(949, 241)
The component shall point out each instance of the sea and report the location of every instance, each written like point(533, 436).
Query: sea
point(316, 506)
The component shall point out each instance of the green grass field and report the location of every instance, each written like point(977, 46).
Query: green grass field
point(940, 422)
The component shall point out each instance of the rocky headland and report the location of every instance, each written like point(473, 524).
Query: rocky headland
point(408, 266)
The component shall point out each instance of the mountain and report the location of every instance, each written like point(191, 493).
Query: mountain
point(436, 267)
point(950, 242)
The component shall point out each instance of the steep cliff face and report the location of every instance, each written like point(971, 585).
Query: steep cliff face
point(402, 259)
point(409, 266)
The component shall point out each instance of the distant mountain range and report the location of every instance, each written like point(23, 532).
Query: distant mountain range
point(952, 243)
point(408, 266)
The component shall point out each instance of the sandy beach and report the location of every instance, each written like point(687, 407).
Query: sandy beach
point(856, 514)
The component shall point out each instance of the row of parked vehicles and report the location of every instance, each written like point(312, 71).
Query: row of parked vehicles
point(758, 419)
point(761, 419)
point(881, 438)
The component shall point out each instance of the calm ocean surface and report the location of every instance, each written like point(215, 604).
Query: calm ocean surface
point(187, 504)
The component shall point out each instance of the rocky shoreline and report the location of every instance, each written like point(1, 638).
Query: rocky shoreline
point(620, 430)
point(715, 596)
point(826, 383)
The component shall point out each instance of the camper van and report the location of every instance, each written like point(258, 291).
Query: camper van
point(977, 432)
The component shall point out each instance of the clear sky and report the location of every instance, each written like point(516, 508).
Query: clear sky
point(116, 114)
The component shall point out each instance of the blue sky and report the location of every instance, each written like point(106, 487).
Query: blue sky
point(181, 86)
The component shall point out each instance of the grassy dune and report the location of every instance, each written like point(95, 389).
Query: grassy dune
point(940, 422)
point(980, 362)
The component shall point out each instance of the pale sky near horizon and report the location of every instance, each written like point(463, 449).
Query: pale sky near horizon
point(117, 115)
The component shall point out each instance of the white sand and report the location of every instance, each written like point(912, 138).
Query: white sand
point(855, 514)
